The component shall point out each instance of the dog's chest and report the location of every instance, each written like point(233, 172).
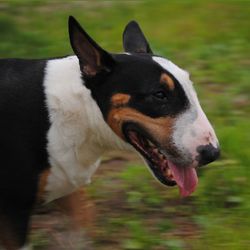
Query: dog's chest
point(55, 183)
point(78, 134)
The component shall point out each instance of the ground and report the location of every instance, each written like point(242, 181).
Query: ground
point(111, 217)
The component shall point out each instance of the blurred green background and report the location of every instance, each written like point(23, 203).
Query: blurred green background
point(210, 39)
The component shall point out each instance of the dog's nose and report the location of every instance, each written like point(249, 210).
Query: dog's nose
point(207, 153)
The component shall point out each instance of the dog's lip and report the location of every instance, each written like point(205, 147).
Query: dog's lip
point(163, 169)
point(154, 157)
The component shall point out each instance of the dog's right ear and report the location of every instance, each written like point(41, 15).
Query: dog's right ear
point(93, 59)
point(134, 40)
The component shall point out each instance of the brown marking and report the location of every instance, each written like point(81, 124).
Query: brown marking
point(42, 184)
point(165, 78)
point(159, 128)
point(119, 99)
point(79, 207)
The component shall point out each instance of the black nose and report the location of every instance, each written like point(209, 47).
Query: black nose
point(207, 153)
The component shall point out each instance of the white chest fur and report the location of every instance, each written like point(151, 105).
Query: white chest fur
point(78, 135)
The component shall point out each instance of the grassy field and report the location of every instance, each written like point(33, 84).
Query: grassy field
point(210, 39)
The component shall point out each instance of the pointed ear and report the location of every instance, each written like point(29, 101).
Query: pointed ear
point(134, 40)
point(93, 59)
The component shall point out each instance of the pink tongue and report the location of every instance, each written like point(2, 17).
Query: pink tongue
point(186, 178)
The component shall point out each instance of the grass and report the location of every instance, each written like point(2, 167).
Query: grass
point(210, 40)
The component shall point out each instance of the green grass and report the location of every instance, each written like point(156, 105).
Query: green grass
point(210, 40)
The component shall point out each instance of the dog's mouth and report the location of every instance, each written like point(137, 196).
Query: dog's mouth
point(163, 169)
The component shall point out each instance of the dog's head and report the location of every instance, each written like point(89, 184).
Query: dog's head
point(150, 103)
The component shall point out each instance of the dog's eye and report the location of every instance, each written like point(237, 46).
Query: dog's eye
point(160, 95)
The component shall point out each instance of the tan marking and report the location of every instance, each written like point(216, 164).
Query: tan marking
point(159, 128)
point(80, 208)
point(120, 99)
point(165, 78)
point(42, 184)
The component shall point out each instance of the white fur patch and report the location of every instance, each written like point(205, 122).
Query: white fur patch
point(78, 135)
point(192, 127)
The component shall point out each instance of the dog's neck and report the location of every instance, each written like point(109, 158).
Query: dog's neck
point(78, 134)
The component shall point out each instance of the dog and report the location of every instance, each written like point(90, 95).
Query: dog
point(59, 116)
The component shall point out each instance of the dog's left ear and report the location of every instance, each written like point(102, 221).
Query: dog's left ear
point(93, 59)
point(134, 40)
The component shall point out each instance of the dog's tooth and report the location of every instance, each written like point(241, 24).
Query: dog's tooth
point(163, 155)
point(155, 150)
point(151, 144)
point(169, 173)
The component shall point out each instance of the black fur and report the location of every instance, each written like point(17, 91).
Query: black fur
point(23, 127)
point(134, 40)
point(93, 59)
point(138, 76)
